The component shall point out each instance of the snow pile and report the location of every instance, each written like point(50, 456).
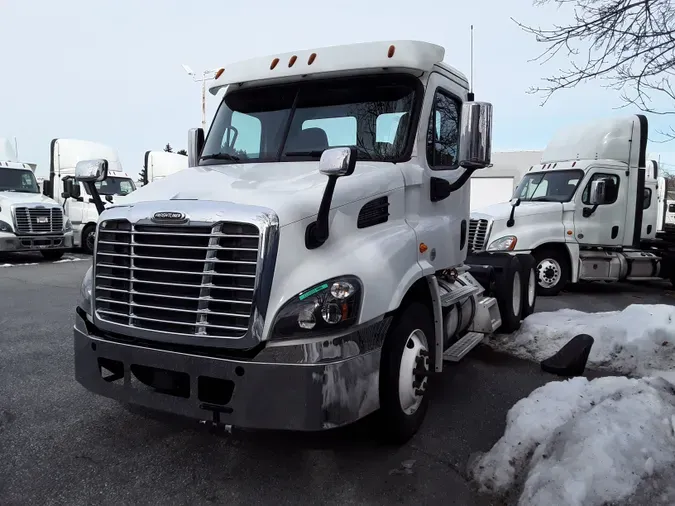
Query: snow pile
point(610, 440)
point(68, 259)
point(640, 340)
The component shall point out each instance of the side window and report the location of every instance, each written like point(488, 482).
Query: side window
point(648, 198)
point(243, 139)
point(443, 132)
point(611, 191)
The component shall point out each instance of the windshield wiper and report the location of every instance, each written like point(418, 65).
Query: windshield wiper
point(543, 199)
point(221, 156)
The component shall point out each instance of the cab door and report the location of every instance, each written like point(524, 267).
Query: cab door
point(604, 224)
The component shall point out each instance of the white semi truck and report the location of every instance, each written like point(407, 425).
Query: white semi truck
point(29, 221)
point(159, 164)
point(308, 268)
point(593, 209)
point(75, 199)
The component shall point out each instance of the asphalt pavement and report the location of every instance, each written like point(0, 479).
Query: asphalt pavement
point(60, 444)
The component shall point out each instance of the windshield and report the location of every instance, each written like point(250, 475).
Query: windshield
point(18, 180)
point(299, 121)
point(114, 186)
point(553, 186)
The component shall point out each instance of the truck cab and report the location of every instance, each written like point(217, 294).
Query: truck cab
point(29, 221)
point(308, 268)
point(575, 233)
point(75, 199)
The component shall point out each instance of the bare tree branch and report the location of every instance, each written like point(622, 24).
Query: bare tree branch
point(628, 44)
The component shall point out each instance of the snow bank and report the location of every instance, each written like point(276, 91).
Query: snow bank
point(640, 340)
point(610, 440)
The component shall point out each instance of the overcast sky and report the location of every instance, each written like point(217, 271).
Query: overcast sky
point(110, 70)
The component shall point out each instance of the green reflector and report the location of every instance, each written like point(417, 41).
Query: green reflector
point(312, 291)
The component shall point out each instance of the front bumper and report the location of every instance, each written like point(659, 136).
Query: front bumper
point(285, 388)
point(12, 243)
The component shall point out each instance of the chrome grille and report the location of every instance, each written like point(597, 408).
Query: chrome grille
point(194, 280)
point(478, 230)
point(38, 220)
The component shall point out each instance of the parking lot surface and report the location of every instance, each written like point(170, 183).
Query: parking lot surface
point(62, 445)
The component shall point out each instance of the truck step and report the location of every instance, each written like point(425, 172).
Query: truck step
point(455, 296)
point(467, 343)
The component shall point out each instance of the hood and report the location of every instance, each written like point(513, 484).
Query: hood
point(292, 189)
point(502, 211)
point(11, 198)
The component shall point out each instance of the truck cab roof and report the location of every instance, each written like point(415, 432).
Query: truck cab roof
point(18, 165)
point(622, 140)
point(401, 55)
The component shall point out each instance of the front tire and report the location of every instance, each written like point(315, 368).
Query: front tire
point(553, 271)
point(404, 373)
point(88, 238)
point(529, 278)
point(53, 254)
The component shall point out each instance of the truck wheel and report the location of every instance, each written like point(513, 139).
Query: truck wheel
point(53, 254)
point(88, 238)
point(529, 278)
point(509, 294)
point(403, 391)
point(552, 271)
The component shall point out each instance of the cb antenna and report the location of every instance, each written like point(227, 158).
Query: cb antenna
point(470, 96)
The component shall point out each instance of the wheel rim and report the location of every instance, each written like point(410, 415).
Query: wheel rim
point(90, 241)
point(548, 272)
point(531, 288)
point(412, 386)
point(517, 290)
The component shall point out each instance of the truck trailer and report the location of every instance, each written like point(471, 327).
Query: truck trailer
point(308, 268)
point(593, 209)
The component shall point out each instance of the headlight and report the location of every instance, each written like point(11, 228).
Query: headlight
point(5, 227)
point(503, 244)
point(323, 308)
point(67, 226)
point(85, 291)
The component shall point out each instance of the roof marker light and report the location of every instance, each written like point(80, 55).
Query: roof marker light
point(392, 50)
point(220, 72)
point(291, 62)
point(274, 63)
point(312, 57)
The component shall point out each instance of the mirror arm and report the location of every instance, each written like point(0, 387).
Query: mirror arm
point(317, 232)
point(587, 213)
point(512, 220)
point(461, 180)
point(91, 186)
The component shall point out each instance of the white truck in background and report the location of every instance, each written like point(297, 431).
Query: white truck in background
point(75, 199)
point(303, 273)
point(29, 221)
point(592, 210)
point(497, 183)
point(159, 164)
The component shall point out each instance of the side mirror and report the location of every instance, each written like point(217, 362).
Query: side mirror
point(338, 162)
point(195, 145)
point(75, 191)
point(475, 141)
point(91, 170)
point(47, 188)
point(598, 194)
point(334, 163)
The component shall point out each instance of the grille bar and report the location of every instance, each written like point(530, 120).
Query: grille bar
point(189, 280)
point(478, 230)
point(38, 220)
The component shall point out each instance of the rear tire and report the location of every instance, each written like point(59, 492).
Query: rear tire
point(404, 394)
point(529, 279)
point(52, 255)
point(553, 271)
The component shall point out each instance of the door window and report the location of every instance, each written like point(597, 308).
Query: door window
point(611, 190)
point(443, 132)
